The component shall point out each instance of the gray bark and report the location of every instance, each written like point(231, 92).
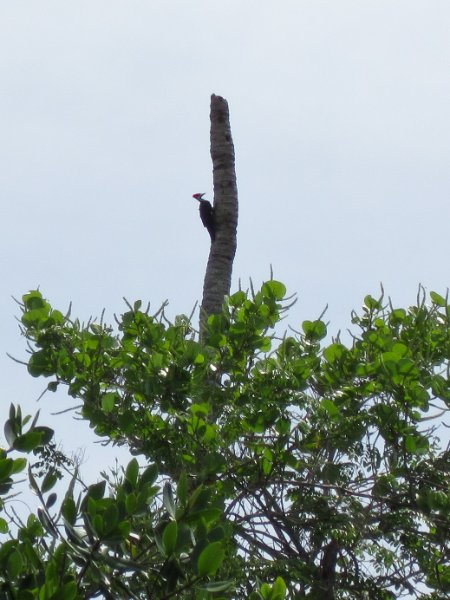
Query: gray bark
point(217, 281)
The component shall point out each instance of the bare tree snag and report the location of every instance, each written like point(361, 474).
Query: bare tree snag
point(217, 281)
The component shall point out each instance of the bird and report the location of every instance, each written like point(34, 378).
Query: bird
point(206, 215)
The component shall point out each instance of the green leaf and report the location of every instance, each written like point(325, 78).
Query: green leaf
point(132, 471)
point(6, 468)
point(169, 537)
point(372, 303)
point(131, 503)
point(10, 432)
point(46, 523)
point(237, 299)
point(12, 412)
point(108, 401)
point(111, 518)
point(96, 490)
point(70, 591)
point(274, 289)
point(334, 352)
point(283, 426)
point(398, 315)
point(28, 441)
point(278, 589)
point(33, 483)
point(3, 526)
point(33, 299)
point(416, 444)
point(36, 317)
point(182, 488)
point(69, 511)
point(265, 344)
point(49, 481)
point(14, 564)
point(438, 299)
point(52, 386)
point(315, 330)
point(168, 500)
point(40, 364)
point(149, 476)
point(51, 500)
point(330, 407)
point(400, 349)
point(210, 559)
point(98, 525)
point(46, 434)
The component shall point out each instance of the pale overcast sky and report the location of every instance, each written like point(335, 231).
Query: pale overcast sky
point(341, 123)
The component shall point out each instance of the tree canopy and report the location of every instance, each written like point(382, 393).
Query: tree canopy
point(266, 465)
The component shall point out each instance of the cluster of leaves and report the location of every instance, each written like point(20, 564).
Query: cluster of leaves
point(317, 465)
point(135, 541)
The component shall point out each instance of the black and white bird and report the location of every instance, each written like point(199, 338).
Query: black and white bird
point(206, 215)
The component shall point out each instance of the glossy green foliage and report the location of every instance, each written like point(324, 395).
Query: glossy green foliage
point(293, 467)
point(120, 542)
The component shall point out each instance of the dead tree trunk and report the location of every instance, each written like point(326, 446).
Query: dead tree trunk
point(217, 281)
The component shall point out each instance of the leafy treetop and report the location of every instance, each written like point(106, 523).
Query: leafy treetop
point(276, 468)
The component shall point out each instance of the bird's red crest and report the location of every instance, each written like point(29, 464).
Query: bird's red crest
point(198, 196)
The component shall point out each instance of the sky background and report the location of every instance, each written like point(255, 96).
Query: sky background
point(341, 124)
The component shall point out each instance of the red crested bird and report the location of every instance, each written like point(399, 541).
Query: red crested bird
point(206, 215)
